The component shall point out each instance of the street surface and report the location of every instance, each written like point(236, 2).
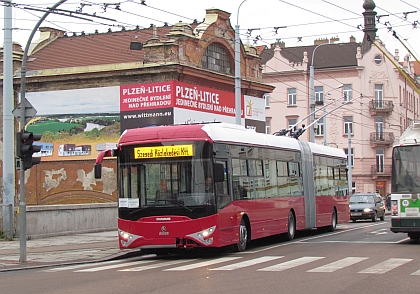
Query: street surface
point(357, 258)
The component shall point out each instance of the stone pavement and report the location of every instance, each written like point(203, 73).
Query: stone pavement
point(71, 249)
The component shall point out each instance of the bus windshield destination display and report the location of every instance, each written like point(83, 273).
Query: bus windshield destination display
point(163, 151)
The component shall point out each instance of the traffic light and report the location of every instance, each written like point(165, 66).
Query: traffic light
point(25, 148)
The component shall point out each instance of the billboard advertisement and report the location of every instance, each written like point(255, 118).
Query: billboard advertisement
point(79, 123)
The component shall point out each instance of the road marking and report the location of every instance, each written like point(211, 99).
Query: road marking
point(153, 266)
point(112, 266)
point(246, 263)
point(339, 264)
point(201, 264)
point(385, 266)
point(316, 237)
point(291, 264)
point(357, 242)
point(416, 273)
point(380, 232)
point(76, 266)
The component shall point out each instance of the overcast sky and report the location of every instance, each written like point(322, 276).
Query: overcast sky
point(297, 22)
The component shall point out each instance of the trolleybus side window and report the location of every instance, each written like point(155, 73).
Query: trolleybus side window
point(222, 188)
point(282, 179)
point(294, 174)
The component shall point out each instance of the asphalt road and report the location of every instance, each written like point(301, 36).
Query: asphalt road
point(357, 258)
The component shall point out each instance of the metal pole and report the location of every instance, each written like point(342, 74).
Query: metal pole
point(238, 106)
point(312, 100)
point(22, 120)
point(325, 126)
point(312, 94)
point(8, 187)
point(349, 167)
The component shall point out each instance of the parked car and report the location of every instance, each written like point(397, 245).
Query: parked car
point(367, 206)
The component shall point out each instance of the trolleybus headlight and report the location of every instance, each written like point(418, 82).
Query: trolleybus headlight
point(207, 232)
point(204, 236)
point(125, 236)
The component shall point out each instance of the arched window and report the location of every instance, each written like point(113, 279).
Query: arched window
point(216, 58)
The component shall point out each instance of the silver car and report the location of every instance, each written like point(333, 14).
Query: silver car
point(367, 206)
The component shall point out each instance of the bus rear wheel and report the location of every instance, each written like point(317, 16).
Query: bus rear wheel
point(333, 225)
point(243, 237)
point(291, 226)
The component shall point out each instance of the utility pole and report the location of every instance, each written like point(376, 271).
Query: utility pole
point(238, 92)
point(8, 186)
point(349, 166)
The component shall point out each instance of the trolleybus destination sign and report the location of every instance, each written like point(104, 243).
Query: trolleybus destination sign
point(163, 151)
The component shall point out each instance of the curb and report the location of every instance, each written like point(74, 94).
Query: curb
point(29, 266)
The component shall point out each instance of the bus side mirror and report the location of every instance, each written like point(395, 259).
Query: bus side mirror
point(219, 172)
point(98, 170)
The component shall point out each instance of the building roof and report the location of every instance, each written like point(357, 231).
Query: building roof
point(93, 49)
point(326, 56)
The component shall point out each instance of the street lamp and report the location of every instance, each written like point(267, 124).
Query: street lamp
point(312, 98)
point(22, 120)
point(238, 93)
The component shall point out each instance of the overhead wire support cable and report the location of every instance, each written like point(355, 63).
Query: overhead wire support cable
point(394, 33)
point(335, 108)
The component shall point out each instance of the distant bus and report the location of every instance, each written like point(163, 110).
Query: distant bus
point(405, 184)
point(262, 185)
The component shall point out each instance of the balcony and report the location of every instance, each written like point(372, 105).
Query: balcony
point(380, 171)
point(382, 139)
point(381, 107)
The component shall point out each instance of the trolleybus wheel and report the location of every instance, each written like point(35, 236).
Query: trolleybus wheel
point(291, 226)
point(243, 237)
point(333, 225)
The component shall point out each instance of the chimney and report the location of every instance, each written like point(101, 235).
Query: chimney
point(320, 41)
point(334, 39)
point(352, 39)
point(397, 55)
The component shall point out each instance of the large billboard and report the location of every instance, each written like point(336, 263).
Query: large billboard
point(79, 123)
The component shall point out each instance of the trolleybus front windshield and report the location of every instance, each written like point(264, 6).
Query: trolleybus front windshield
point(166, 182)
point(406, 169)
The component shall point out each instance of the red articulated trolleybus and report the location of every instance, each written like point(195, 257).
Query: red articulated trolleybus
point(217, 184)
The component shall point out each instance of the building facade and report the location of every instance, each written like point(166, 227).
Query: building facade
point(94, 86)
point(363, 98)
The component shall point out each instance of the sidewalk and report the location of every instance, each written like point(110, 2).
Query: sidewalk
point(72, 249)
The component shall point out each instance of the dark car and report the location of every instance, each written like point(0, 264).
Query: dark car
point(367, 206)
